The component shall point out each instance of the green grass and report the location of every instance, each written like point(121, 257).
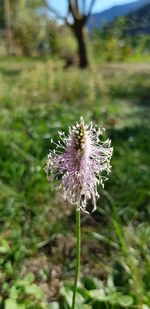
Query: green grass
point(37, 99)
point(136, 58)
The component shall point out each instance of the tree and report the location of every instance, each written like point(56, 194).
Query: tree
point(2, 17)
point(8, 26)
point(7, 9)
point(76, 19)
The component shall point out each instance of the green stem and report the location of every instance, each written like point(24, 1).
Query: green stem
point(78, 249)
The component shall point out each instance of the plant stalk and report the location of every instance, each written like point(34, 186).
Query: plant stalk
point(78, 249)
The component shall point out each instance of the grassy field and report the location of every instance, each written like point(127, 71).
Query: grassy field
point(37, 244)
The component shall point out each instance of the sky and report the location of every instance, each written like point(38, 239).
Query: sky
point(100, 5)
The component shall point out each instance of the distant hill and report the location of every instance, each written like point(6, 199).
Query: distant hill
point(98, 20)
point(139, 21)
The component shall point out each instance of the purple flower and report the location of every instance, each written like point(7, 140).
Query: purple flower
point(78, 162)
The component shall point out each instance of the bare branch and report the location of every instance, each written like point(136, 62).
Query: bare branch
point(52, 10)
point(84, 6)
point(90, 8)
point(74, 10)
point(71, 10)
point(68, 7)
point(77, 6)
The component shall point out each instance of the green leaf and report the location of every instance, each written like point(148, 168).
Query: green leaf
point(14, 292)
point(126, 301)
point(91, 283)
point(29, 278)
point(83, 292)
point(11, 303)
point(34, 290)
point(53, 305)
point(120, 299)
point(98, 295)
point(66, 291)
point(9, 268)
point(4, 246)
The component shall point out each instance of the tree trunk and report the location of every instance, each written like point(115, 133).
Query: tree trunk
point(8, 27)
point(78, 30)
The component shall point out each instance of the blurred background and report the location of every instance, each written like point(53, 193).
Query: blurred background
point(60, 60)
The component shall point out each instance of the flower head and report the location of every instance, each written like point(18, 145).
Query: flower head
point(78, 162)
